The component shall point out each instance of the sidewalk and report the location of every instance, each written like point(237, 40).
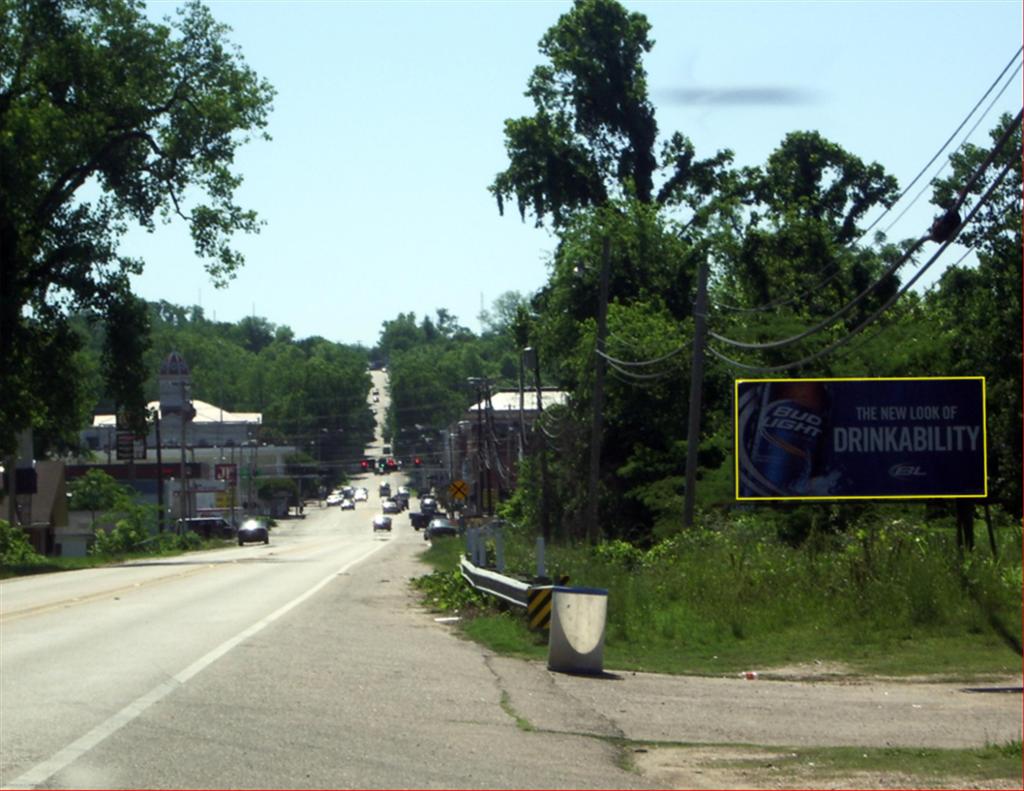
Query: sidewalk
point(783, 713)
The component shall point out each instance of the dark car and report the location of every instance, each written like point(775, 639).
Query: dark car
point(381, 523)
point(253, 530)
point(440, 528)
point(428, 505)
point(207, 526)
point(419, 520)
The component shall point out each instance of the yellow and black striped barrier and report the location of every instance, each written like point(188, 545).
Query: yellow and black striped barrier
point(538, 606)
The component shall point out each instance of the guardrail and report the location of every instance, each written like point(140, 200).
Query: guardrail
point(506, 588)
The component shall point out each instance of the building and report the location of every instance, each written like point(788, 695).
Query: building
point(485, 446)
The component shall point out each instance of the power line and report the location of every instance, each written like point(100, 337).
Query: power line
point(837, 269)
point(963, 142)
point(889, 303)
point(950, 212)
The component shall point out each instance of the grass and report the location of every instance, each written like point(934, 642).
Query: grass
point(891, 599)
point(928, 766)
point(48, 565)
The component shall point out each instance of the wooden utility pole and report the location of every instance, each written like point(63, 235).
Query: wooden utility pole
point(593, 531)
point(700, 311)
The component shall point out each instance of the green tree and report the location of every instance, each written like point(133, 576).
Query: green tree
point(95, 491)
point(107, 118)
point(978, 310)
point(592, 137)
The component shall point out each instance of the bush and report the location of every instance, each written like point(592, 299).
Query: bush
point(15, 547)
point(133, 526)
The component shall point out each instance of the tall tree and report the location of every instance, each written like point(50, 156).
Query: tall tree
point(979, 308)
point(592, 138)
point(107, 118)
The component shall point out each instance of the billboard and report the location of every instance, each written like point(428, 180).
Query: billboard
point(839, 439)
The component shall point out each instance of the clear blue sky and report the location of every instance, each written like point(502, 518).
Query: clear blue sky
point(387, 130)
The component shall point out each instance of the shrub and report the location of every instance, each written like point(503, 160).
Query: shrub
point(15, 547)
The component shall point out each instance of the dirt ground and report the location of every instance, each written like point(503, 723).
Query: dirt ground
point(714, 767)
point(719, 767)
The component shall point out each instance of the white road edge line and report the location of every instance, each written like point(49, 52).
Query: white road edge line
point(41, 772)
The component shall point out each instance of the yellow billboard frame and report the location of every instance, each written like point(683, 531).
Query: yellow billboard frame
point(827, 498)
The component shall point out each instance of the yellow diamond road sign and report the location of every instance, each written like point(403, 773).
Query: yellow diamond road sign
point(459, 490)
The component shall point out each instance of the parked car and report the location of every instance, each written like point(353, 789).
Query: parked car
point(381, 523)
point(361, 495)
point(207, 526)
point(390, 507)
point(253, 530)
point(348, 505)
point(439, 527)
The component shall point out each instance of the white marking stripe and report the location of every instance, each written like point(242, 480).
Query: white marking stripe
point(39, 773)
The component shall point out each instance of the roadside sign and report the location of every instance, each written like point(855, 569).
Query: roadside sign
point(458, 490)
point(226, 472)
point(129, 446)
point(839, 439)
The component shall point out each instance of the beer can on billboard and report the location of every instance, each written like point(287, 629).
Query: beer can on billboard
point(860, 438)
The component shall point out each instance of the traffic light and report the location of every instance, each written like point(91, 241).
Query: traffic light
point(365, 464)
point(417, 461)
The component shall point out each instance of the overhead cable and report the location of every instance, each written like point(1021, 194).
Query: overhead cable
point(836, 268)
point(924, 188)
point(891, 270)
point(950, 212)
point(889, 303)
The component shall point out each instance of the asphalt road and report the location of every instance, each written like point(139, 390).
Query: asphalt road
point(309, 664)
point(304, 664)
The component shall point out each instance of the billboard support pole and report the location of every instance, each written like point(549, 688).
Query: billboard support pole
point(700, 310)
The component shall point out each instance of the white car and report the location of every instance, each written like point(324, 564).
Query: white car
point(347, 505)
point(334, 498)
point(361, 496)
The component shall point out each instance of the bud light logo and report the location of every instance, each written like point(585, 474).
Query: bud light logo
point(903, 472)
point(784, 415)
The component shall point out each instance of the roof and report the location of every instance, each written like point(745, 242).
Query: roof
point(508, 400)
point(205, 413)
point(174, 365)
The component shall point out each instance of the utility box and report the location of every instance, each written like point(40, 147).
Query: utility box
point(576, 640)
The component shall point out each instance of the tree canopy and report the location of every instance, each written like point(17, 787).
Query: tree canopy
point(106, 119)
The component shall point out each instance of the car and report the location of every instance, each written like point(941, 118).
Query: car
point(381, 523)
point(384, 490)
point(207, 526)
point(419, 520)
point(361, 495)
point(390, 507)
point(347, 491)
point(376, 399)
point(440, 527)
point(428, 505)
point(334, 498)
point(252, 530)
point(348, 505)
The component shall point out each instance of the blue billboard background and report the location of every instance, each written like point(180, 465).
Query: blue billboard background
point(860, 438)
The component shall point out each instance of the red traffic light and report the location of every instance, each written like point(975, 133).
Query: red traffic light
point(364, 464)
point(417, 461)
